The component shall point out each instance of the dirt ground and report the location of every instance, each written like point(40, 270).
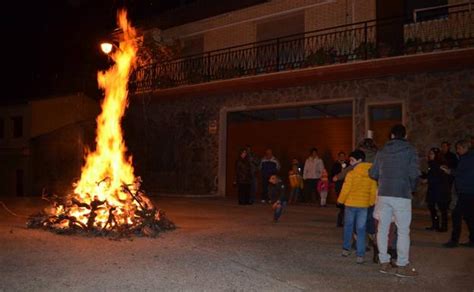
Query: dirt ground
point(220, 246)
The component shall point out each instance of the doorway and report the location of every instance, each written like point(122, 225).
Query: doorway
point(290, 132)
point(381, 118)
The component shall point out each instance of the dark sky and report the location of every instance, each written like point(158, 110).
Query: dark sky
point(52, 46)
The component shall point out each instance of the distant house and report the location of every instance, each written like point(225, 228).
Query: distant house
point(42, 143)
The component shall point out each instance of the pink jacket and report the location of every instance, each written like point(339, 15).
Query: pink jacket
point(323, 185)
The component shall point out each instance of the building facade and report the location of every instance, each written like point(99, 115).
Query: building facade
point(295, 74)
point(42, 143)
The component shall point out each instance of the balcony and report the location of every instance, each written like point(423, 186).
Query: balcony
point(375, 39)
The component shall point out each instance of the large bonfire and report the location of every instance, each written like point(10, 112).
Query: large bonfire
point(108, 198)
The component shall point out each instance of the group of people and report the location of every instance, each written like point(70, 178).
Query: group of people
point(374, 188)
point(305, 181)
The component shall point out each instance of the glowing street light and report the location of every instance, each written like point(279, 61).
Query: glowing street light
point(106, 47)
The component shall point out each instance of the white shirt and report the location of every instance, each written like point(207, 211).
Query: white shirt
point(313, 168)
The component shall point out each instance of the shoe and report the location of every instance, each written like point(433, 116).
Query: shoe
point(346, 253)
point(360, 260)
point(450, 244)
point(386, 268)
point(467, 244)
point(406, 272)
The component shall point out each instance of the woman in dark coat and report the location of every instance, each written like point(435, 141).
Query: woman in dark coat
point(438, 195)
point(243, 171)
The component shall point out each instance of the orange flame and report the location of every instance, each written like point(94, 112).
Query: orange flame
point(109, 163)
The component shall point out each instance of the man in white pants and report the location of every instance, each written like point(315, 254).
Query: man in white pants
point(396, 169)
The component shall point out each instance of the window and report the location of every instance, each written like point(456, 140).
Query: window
point(17, 126)
point(2, 128)
point(411, 5)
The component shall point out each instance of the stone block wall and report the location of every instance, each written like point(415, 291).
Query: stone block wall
point(175, 153)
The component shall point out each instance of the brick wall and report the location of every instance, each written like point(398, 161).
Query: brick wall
point(239, 27)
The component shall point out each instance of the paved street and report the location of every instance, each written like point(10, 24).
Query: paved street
point(219, 246)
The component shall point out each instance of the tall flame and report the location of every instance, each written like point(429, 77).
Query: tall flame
point(108, 168)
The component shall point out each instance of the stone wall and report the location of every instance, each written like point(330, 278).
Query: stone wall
point(175, 153)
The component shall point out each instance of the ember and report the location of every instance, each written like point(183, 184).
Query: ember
point(108, 197)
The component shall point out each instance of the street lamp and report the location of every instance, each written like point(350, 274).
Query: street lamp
point(106, 47)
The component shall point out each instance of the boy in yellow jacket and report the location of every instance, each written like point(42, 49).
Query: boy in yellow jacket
point(358, 194)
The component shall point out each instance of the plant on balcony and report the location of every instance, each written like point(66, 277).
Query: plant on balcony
point(229, 72)
point(153, 50)
point(342, 58)
point(366, 50)
point(447, 43)
point(466, 42)
point(384, 50)
point(195, 77)
point(411, 45)
point(427, 46)
point(320, 57)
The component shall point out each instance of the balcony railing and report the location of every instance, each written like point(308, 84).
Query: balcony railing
point(340, 44)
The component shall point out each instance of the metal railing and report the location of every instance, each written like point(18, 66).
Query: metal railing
point(340, 44)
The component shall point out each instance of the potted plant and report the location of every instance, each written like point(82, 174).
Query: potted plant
point(466, 42)
point(366, 50)
point(427, 46)
point(447, 43)
point(317, 58)
point(411, 45)
point(384, 50)
point(341, 58)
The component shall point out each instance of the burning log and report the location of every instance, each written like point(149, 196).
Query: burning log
point(147, 220)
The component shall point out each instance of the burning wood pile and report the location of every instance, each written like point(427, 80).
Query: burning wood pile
point(115, 204)
point(135, 215)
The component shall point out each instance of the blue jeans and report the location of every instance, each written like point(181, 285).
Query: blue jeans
point(279, 210)
point(358, 217)
point(295, 195)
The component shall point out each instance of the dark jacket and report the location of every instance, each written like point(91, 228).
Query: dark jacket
point(269, 167)
point(243, 171)
point(439, 184)
point(254, 162)
point(451, 160)
point(337, 169)
point(277, 192)
point(464, 175)
point(396, 169)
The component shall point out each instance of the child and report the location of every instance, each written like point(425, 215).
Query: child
point(276, 190)
point(296, 183)
point(358, 194)
point(323, 186)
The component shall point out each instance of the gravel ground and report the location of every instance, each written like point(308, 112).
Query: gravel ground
point(220, 246)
